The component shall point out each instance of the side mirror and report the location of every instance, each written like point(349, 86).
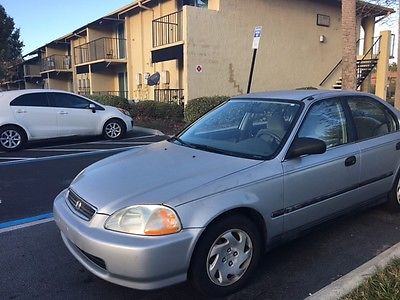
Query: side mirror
point(306, 146)
point(92, 107)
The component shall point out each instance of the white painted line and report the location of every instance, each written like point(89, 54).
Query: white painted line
point(8, 229)
point(67, 155)
point(121, 143)
point(353, 279)
point(13, 158)
point(141, 137)
point(60, 150)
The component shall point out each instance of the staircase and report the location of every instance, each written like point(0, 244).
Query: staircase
point(365, 65)
point(364, 68)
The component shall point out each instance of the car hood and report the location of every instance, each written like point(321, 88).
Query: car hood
point(154, 174)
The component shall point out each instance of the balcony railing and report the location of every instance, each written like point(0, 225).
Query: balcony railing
point(167, 29)
point(102, 48)
point(169, 95)
point(56, 62)
point(31, 70)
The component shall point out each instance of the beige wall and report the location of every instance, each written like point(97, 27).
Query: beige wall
point(290, 53)
point(139, 45)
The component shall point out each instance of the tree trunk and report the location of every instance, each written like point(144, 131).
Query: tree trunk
point(397, 93)
point(349, 67)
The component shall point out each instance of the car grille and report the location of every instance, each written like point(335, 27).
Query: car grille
point(96, 260)
point(80, 206)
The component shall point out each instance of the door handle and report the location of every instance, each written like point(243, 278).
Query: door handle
point(350, 161)
point(21, 111)
point(398, 146)
point(63, 113)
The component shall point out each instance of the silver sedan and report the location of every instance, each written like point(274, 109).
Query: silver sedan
point(256, 171)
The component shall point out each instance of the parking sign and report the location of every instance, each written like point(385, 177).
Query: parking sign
point(257, 37)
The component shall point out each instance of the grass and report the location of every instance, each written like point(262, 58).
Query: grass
point(385, 284)
point(169, 127)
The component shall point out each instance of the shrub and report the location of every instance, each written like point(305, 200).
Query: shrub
point(198, 107)
point(157, 110)
point(116, 101)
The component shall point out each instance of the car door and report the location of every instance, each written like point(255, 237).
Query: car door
point(74, 116)
point(33, 112)
point(378, 137)
point(318, 186)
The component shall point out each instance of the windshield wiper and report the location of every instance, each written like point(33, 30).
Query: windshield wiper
point(227, 152)
point(180, 141)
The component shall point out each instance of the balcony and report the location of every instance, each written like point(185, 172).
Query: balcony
point(101, 50)
point(56, 63)
point(167, 37)
point(32, 71)
point(169, 95)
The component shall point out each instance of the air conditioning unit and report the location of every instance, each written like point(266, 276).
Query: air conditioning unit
point(139, 79)
point(164, 78)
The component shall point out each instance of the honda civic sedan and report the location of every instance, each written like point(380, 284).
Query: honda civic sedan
point(256, 171)
point(27, 115)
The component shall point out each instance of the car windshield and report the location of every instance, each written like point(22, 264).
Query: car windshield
point(244, 128)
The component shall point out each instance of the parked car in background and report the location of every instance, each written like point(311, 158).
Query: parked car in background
point(27, 115)
point(256, 171)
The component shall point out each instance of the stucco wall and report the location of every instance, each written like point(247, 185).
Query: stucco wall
point(290, 53)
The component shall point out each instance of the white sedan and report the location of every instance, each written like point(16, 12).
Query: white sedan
point(27, 115)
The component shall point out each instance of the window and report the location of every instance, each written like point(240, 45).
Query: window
point(69, 101)
point(326, 121)
point(370, 117)
point(34, 99)
point(198, 3)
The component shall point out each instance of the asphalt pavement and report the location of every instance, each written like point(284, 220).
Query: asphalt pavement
point(36, 264)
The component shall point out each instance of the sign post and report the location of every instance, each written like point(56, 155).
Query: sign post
point(256, 43)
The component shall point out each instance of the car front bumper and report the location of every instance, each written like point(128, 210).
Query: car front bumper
point(134, 261)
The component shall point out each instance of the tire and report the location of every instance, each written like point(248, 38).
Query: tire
point(225, 256)
point(114, 129)
point(12, 138)
point(394, 196)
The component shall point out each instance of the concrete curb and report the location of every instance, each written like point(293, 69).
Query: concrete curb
point(353, 279)
point(147, 130)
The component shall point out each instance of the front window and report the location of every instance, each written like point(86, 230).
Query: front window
point(243, 128)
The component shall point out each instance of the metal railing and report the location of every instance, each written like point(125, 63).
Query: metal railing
point(169, 95)
point(31, 70)
point(369, 55)
point(123, 94)
point(102, 48)
point(55, 62)
point(167, 29)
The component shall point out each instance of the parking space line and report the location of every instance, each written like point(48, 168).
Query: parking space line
point(25, 222)
point(141, 137)
point(63, 150)
point(34, 159)
point(13, 158)
point(120, 143)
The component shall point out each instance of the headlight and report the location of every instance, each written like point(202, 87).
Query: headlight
point(144, 220)
point(124, 111)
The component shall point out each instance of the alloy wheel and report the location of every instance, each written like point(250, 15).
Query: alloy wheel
point(229, 257)
point(113, 130)
point(10, 139)
point(398, 191)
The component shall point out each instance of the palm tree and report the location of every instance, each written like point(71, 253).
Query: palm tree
point(349, 40)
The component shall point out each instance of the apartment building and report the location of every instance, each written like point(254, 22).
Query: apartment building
point(204, 48)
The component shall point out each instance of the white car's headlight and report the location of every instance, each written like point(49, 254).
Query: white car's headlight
point(149, 220)
point(124, 111)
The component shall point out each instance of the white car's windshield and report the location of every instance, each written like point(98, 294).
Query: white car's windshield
point(244, 128)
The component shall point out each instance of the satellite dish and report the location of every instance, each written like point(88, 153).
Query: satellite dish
point(153, 79)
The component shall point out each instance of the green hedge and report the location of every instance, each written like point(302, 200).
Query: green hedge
point(198, 107)
point(157, 110)
point(116, 101)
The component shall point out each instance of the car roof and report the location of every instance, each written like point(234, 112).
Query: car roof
point(298, 95)
point(16, 93)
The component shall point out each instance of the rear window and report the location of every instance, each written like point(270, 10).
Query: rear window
point(34, 99)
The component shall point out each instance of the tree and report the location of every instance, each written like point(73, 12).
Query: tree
point(349, 67)
point(10, 44)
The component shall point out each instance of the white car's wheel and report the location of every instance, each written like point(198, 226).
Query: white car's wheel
point(12, 138)
point(114, 129)
point(226, 256)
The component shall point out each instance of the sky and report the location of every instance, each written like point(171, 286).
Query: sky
point(41, 22)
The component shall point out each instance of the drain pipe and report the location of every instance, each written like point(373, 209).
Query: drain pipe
point(142, 6)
